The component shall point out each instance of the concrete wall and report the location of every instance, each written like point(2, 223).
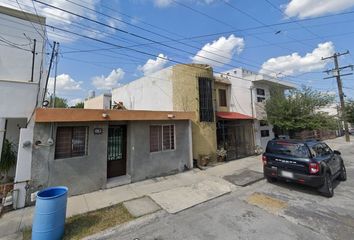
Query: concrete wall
point(81, 174)
point(144, 164)
point(100, 102)
point(262, 141)
point(227, 88)
point(89, 173)
point(186, 98)
point(16, 64)
point(153, 92)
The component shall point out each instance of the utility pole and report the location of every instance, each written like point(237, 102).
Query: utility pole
point(33, 57)
point(50, 66)
point(336, 73)
point(55, 76)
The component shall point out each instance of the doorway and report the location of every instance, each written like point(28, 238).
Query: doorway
point(117, 151)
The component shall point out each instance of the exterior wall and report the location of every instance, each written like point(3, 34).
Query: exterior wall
point(153, 92)
point(89, 173)
point(143, 164)
point(186, 98)
point(262, 141)
point(259, 107)
point(81, 174)
point(16, 64)
point(99, 102)
point(227, 88)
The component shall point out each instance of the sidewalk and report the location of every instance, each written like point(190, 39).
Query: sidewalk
point(189, 188)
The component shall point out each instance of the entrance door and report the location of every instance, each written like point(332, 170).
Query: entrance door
point(116, 153)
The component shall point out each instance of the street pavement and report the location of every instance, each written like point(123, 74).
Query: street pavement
point(258, 211)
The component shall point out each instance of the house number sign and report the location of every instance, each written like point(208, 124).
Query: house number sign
point(97, 131)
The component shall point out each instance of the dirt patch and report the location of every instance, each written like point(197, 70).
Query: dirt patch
point(266, 202)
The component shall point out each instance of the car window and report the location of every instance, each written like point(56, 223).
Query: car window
point(298, 150)
point(321, 150)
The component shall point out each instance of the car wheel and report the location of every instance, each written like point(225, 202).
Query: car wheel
point(271, 180)
point(343, 173)
point(327, 189)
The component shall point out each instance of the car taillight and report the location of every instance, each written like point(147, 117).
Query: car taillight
point(264, 160)
point(314, 168)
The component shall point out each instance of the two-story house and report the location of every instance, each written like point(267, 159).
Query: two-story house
point(21, 87)
point(242, 120)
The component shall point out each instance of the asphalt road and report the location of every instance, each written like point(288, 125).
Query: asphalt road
point(258, 211)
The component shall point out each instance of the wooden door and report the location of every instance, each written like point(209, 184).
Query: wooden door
point(117, 151)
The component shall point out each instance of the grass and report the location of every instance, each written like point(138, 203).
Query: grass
point(86, 224)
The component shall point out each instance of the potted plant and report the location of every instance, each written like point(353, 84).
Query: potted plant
point(221, 154)
point(8, 159)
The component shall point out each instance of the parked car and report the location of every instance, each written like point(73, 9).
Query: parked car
point(351, 131)
point(309, 162)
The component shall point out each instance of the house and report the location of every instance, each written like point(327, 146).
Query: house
point(21, 87)
point(92, 149)
point(183, 87)
point(242, 124)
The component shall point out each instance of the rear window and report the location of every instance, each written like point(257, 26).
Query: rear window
point(298, 150)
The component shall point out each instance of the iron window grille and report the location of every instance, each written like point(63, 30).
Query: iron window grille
point(71, 142)
point(264, 133)
point(206, 110)
point(162, 138)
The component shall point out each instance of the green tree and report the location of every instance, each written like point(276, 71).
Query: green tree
point(79, 105)
point(297, 110)
point(8, 158)
point(349, 111)
point(59, 102)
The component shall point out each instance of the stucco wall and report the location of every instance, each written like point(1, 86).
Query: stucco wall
point(227, 88)
point(100, 102)
point(186, 98)
point(153, 92)
point(144, 164)
point(80, 174)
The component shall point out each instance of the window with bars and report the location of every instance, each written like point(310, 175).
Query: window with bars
point(71, 142)
point(222, 98)
point(206, 110)
point(264, 133)
point(162, 138)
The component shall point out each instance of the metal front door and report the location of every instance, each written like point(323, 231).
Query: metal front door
point(116, 153)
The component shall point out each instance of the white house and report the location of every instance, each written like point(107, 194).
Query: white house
point(248, 92)
point(21, 86)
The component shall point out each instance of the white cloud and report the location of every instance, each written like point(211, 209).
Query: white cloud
point(167, 3)
point(294, 63)
point(221, 50)
point(64, 84)
point(152, 65)
point(313, 8)
point(73, 102)
point(109, 82)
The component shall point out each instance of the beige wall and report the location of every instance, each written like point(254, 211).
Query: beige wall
point(218, 86)
point(186, 98)
point(99, 102)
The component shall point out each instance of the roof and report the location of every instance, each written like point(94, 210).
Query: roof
point(22, 15)
point(100, 115)
point(233, 115)
point(222, 80)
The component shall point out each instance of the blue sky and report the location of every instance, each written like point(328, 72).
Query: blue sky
point(252, 34)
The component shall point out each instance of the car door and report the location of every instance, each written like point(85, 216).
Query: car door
point(335, 161)
point(323, 156)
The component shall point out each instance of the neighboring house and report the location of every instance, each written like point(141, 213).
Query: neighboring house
point(245, 92)
point(91, 149)
point(21, 86)
point(183, 87)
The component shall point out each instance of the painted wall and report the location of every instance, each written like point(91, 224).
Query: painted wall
point(100, 102)
point(16, 64)
point(186, 98)
point(144, 164)
point(227, 88)
point(153, 92)
point(262, 141)
point(81, 174)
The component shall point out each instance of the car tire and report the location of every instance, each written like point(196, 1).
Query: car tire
point(271, 180)
point(327, 188)
point(343, 173)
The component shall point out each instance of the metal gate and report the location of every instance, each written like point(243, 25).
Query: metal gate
point(236, 136)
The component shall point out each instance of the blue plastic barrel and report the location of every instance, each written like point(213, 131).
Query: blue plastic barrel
point(50, 213)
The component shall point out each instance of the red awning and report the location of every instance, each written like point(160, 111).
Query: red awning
point(233, 115)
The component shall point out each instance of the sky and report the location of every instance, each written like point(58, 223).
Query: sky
point(104, 44)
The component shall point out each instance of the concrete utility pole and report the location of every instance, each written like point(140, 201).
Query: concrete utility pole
point(336, 73)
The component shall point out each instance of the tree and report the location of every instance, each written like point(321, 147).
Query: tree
point(79, 105)
point(349, 111)
point(298, 110)
point(8, 158)
point(59, 102)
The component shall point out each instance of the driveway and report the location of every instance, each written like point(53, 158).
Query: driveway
point(258, 211)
